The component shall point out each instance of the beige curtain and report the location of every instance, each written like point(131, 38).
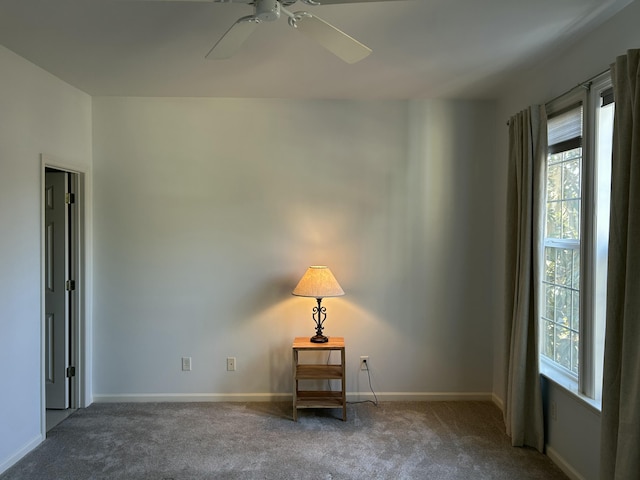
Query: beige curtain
point(523, 398)
point(620, 456)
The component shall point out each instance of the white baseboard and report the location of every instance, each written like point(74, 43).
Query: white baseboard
point(13, 459)
point(498, 401)
point(190, 397)
point(421, 396)
point(562, 464)
point(275, 397)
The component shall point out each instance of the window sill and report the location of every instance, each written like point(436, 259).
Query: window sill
point(570, 384)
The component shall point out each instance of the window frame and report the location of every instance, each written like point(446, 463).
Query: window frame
point(584, 384)
point(590, 353)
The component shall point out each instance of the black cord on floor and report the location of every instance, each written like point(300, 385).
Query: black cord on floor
point(375, 403)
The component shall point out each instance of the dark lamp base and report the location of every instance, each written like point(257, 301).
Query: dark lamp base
point(319, 339)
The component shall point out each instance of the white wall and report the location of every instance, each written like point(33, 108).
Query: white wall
point(38, 114)
point(207, 212)
point(575, 436)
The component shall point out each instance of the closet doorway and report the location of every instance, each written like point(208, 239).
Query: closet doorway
point(62, 291)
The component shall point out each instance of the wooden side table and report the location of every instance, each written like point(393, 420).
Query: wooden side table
point(305, 371)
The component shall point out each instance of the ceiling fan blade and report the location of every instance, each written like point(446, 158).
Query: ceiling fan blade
point(336, 41)
point(195, 1)
point(233, 39)
point(338, 2)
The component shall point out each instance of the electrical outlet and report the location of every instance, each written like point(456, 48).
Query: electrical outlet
point(186, 364)
point(364, 362)
point(553, 413)
point(231, 364)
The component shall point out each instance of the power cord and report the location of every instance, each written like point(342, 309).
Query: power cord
point(374, 402)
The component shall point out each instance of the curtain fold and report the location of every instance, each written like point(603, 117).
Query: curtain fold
point(620, 440)
point(523, 399)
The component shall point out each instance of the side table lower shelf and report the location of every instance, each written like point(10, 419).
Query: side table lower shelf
point(318, 399)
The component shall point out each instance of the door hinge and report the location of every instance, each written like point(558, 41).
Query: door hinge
point(71, 372)
point(70, 285)
point(69, 198)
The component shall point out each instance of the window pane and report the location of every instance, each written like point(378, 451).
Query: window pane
point(554, 220)
point(575, 153)
point(564, 267)
point(550, 302)
point(571, 179)
point(571, 219)
point(556, 158)
point(554, 181)
point(563, 306)
point(563, 347)
point(550, 265)
point(548, 338)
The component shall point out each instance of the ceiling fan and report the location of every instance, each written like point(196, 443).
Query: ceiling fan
point(336, 41)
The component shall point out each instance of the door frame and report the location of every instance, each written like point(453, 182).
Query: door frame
point(78, 302)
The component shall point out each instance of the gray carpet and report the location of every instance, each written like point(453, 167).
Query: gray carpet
point(193, 441)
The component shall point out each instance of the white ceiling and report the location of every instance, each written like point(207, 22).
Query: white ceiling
point(421, 48)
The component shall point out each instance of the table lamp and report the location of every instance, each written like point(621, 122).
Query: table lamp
point(318, 282)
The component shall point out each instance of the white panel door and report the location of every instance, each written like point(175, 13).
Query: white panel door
point(56, 297)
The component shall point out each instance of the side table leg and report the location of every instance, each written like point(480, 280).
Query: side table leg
point(344, 385)
point(295, 385)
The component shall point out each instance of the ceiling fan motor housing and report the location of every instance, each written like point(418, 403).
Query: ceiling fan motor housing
point(267, 10)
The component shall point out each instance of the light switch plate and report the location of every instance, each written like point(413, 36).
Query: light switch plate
point(186, 364)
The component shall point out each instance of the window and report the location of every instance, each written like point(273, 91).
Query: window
point(561, 273)
point(575, 237)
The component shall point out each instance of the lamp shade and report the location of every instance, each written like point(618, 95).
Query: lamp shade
point(318, 282)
